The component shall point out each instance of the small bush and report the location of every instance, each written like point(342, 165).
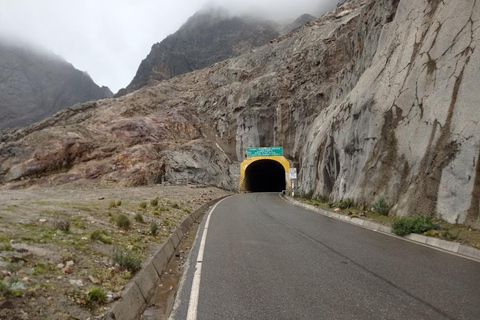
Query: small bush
point(450, 235)
point(62, 224)
point(126, 260)
point(187, 211)
point(346, 204)
point(413, 224)
point(166, 222)
point(112, 204)
point(331, 204)
point(5, 290)
point(13, 267)
point(163, 209)
point(139, 218)
point(100, 235)
point(381, 205)
point(123, 222)
point(154, 202)
point(6, 247)
point(96, 295)
point(153, 228)
point(39, 270)
point(175, 205)
point(322, 199)
point(143, 205)
point(119, 203)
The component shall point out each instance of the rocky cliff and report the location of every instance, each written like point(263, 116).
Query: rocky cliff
point(378, 97)
point(209, 36)
point(36, 84)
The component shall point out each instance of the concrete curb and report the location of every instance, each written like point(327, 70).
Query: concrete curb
point(138, 292)
point(449, 246)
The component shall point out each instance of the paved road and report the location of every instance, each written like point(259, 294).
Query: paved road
point(267, 259)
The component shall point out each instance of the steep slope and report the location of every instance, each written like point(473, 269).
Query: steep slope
point(35, 85)
point(377, 97)
point(209, 36)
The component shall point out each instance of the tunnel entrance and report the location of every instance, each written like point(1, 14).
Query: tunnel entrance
point(265, 176)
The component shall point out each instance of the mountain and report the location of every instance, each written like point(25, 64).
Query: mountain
point(298, 23)
point(377, 97)
point(209, 36)
point(35, 84)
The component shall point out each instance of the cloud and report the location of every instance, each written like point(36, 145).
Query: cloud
point(109, 38)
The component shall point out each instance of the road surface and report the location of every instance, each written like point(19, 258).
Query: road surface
point(263, 258)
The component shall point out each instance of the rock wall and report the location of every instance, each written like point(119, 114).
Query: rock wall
point(378, 97)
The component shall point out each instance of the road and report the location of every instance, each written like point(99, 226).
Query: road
point(264, 258)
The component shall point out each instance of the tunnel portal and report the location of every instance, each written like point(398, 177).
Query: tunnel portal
point(265, 176)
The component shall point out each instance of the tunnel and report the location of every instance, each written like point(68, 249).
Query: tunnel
point(265, 176)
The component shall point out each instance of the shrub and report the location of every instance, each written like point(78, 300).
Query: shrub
point(123, 222)
point(153, 228)
point(143, 205)
point(126, 260)
point(6, 247)
point(139, 218)
point(100, 235)
point(175, 205)
point(112, 204)
point(187, 211)
point(39, 270)
point(5, 290)
point(322, 199)
point(381, 205)
point(62, 224)
point(346, 203)
point(119, 203)
point(166, 222)
point(154, 202)
point(331, 204)
point(412, 224)
point(97, 295)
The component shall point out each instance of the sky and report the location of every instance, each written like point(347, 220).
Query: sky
point(109, 38)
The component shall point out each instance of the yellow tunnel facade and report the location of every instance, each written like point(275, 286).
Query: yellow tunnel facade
point(264, 174)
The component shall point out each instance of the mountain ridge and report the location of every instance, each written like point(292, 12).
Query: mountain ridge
point(35, 84)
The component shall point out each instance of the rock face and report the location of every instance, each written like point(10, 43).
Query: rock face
point(35, 85)
point(378, 97)
point(209, 36)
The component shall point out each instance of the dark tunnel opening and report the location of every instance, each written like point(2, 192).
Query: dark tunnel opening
point(265, 176)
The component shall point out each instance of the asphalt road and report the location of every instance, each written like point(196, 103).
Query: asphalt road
point(267, 259)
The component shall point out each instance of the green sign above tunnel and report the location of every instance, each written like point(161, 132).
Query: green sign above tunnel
point(265, 152)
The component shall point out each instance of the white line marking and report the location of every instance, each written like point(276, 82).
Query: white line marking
point(193, 304)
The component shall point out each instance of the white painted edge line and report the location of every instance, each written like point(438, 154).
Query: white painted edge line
point(380, 229)
point(193, 303)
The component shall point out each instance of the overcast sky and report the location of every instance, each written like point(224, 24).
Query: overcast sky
point(109, 38)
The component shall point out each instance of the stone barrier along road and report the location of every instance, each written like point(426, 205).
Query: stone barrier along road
point(138, 292)
point(454, 247)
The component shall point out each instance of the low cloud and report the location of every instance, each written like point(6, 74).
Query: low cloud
point(109, 38)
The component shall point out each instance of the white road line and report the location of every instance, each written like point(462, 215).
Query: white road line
point(193, 304)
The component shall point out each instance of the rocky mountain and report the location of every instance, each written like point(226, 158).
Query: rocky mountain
point(298, 23)
point(209, 36)
point(378, 97)
point(35, 84)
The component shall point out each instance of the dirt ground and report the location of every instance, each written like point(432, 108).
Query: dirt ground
point(57, 244)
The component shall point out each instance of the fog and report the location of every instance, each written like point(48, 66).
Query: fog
point(109, 38)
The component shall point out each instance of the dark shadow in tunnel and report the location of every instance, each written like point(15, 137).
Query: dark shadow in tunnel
point(265, 176)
